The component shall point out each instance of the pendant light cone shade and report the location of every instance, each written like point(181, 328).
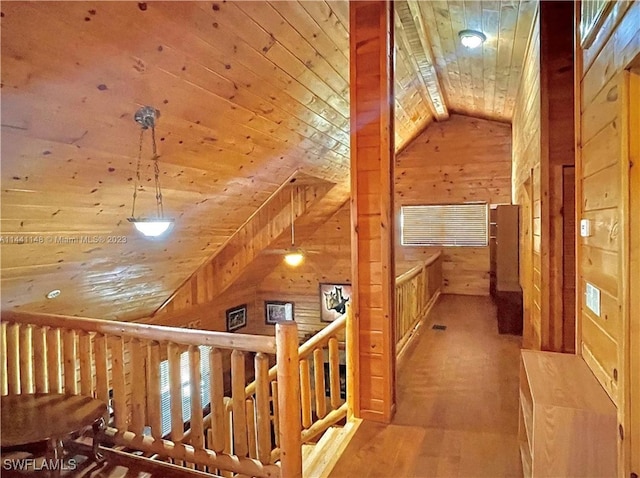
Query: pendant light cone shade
point(149, 227)
point(294, 259)
point(471, 38)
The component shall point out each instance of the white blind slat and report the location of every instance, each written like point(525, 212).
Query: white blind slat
point(165, 397)
point(445, 225)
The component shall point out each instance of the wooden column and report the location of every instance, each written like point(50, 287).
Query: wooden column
point(372, 159)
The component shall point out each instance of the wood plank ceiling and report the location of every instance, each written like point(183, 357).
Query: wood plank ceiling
point(249, 92)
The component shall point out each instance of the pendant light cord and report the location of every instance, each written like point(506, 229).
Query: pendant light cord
point(136, 182)
point(156, 173)
point(148, 122)
point(293, 240)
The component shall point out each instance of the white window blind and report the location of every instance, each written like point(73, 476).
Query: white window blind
point(165, 395)
point(445, 225)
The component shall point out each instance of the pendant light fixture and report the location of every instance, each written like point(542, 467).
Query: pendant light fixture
point(150, 227)
point(294, 257)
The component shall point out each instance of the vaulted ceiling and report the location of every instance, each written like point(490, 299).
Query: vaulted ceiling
point(249, 92)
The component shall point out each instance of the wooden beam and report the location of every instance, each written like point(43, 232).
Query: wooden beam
point(416, 38)
point(372, 162)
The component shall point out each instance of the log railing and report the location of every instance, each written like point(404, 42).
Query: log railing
point(119, 363)
point(321, 404)
point(416, 291)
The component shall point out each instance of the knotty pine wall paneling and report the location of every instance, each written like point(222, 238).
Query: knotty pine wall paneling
point(557, 116)
point(542, 146)
point(372, 374)
point(526, 186)
point(460, 160)
point(606, 149)
point(328, 260)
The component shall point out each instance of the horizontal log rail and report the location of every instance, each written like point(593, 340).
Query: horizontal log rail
point(134, 330)
point(137, 368)
point(416, 291)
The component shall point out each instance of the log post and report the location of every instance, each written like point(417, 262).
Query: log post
point(217, 401)
point(40, 359)
point(240, 442)
point(54, 360)
point(289, 399)
point(262, 408)
point(26, 359)
point(372, 207)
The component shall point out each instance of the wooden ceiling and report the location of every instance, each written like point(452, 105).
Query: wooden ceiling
point(249, 93)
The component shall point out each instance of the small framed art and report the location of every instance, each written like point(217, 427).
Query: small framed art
point(236, 317)
point(277, 311)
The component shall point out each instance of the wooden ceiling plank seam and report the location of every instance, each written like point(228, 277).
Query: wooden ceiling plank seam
point(526, 15)
point(458, 23)
point(258, 62)
point(439, 53)
point(402, 52)
point(300, 20)
point(506, 35)
point(473, 20)
point(287, 36)
point(329, 22)
point(424, 53)
point(491, 28)
point(282, 56)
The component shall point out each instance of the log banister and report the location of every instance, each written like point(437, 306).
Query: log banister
point(159, 333)
point(120, 362)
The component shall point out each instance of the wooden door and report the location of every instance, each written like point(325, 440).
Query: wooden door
point(569, 259)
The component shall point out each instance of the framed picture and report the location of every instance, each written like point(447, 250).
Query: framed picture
point(333, 301)
point(276, 311)
point(236, 317)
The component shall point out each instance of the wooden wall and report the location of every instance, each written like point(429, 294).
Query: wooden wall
point(558, 158)
point(328, 260)
point(461, 160)
point(526, 190)
point(603, 193)
point(542, 148)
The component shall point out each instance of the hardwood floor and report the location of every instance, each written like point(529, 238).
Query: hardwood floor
point(457, 408)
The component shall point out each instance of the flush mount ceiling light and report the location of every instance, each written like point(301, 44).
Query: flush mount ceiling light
point(471, 38)
point(149, 227)
point(53, 294)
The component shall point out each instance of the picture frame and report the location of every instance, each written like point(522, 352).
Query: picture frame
point(334, 299)
point(276, 311)
point(236, 317)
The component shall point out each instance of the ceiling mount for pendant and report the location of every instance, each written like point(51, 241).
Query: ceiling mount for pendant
point(150, 227)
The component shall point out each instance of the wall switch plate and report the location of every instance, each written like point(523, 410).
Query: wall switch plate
point(592, 296)
point(585, 227)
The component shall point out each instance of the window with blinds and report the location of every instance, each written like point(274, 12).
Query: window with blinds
point(165, 395)
point(592, 15)
point(445, 225)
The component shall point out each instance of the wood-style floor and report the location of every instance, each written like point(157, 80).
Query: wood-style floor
point(457, 403)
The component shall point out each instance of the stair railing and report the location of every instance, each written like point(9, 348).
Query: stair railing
point(416, 291)
point(119, 363)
